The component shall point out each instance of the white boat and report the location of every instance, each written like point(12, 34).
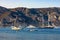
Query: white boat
point(15, 28)
point(31, 28)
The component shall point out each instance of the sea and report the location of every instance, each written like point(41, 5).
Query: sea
point(6, 33)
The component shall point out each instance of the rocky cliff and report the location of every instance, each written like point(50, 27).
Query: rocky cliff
point(29, 16)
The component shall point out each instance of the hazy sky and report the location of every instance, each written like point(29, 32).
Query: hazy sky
point(30, 3)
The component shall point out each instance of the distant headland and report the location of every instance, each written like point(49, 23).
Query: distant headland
point(29, 16)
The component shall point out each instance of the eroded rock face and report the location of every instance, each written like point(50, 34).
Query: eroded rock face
point(26, 16)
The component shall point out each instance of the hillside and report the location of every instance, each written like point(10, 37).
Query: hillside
point(27, 16)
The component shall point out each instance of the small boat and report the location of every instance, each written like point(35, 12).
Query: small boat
point(15, 28)
point(31, 28)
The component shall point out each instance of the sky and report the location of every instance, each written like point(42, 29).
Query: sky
point(30, 3)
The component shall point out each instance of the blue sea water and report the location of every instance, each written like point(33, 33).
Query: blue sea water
point(25, 34)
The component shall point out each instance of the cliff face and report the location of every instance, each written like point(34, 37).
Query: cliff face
point(33, 16)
